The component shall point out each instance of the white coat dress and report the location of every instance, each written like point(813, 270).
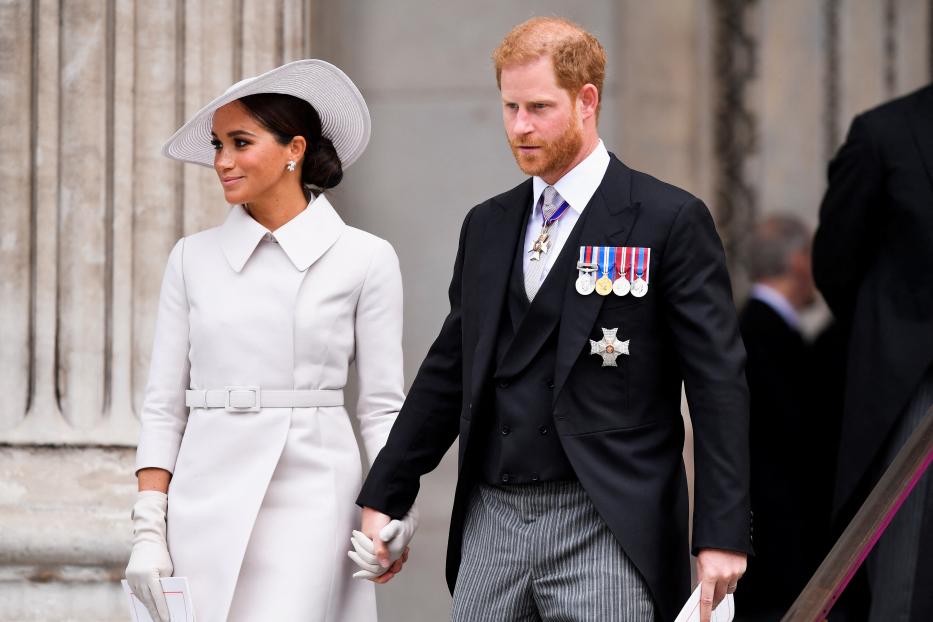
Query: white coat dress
point(261, 504)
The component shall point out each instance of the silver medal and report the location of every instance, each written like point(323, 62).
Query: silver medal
point(621, 286)
point(585, 284)
point(639, 287)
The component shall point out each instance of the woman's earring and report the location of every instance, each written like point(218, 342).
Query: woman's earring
point(291, 165)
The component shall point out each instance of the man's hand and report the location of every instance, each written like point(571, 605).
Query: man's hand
point(719, 572)
point(381, 549)
point(373, 522)
point(369, 568)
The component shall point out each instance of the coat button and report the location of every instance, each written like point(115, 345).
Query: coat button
point(550, 384)
point(503, 384)
point(506, 430)
point(505, 478)
point(534, 477)
point(543, 430)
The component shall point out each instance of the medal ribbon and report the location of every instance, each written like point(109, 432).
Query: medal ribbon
point(546, 222)
point(604, 264)
point(647, 264)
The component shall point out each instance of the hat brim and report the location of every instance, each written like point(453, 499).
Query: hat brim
point(344, 115)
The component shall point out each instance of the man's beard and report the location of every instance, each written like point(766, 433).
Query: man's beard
point(552, 157)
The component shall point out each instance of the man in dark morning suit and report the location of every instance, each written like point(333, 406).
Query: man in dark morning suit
point(873, 262)
point(791, 468)
point(571, 501)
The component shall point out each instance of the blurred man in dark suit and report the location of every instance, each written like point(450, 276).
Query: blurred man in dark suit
point(873, 262)
point(790, 473)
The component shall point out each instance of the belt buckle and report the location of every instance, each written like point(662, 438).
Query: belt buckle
point(235, 408)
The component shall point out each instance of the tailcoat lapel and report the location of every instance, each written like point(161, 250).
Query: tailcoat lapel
point(503, 232)
point(609, 219)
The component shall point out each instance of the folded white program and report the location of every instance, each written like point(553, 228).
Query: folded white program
point(691, 611)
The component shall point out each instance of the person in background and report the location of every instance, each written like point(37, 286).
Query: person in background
point(791, 471)
point(873, 263)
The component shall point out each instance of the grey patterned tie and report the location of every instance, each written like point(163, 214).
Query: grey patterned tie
point(551, 201)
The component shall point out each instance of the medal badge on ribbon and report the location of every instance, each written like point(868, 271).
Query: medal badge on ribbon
point(640, 271)
point(542, 243)
point(586, 268)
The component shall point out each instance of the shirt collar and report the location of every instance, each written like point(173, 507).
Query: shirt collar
point(579, 185)
point(304, 238)
point(774, 299)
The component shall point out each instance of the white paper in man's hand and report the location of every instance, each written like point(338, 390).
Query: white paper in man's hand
point(177, 595)
point(691, 611)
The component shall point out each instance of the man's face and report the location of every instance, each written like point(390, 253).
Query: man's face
point(541, 119)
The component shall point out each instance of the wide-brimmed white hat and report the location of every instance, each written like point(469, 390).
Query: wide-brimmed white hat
point(344, 115)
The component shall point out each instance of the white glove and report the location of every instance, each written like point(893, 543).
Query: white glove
point(397, 534)
point(149, 560)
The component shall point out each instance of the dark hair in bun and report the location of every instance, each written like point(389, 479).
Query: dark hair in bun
point(287, 116)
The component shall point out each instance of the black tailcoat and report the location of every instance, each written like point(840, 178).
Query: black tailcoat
point(873, 262)
point(620, 427)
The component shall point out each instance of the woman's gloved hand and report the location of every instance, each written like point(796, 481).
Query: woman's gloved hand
point(149, 560)
point(396, 536)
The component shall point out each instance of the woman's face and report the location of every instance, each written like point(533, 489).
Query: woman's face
point(248, 159)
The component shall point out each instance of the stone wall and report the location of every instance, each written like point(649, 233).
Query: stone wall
point(739, 101)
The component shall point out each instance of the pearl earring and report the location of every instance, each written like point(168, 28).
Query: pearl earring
point(291, 165)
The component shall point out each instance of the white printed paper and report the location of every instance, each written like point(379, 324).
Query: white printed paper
point(724, 612)
point(177, 595)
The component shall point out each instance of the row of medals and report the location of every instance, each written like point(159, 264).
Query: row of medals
point(587, 283)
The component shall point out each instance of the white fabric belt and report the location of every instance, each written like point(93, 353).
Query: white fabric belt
point(252, 399)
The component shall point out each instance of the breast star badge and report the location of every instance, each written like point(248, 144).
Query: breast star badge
point(609, 347)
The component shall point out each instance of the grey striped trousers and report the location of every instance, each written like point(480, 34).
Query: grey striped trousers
point(542, 552)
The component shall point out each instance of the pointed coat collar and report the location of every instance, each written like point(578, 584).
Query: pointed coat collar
point(304, 238)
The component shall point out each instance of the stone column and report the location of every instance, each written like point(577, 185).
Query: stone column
point(89, 91)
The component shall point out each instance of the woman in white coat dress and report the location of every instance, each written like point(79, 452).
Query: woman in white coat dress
point(243, 421)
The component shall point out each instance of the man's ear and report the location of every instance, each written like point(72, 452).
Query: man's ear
point(588, 100)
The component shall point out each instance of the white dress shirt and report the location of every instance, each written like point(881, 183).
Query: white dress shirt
point(776, 300)
point(577, 187)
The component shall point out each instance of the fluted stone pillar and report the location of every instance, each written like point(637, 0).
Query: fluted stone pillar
point(89, 90)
